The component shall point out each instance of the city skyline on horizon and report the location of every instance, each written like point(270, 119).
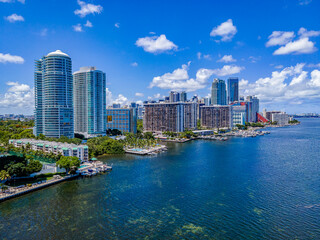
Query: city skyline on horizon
point(280, 64)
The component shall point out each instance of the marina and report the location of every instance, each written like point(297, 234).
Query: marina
point(147, 151)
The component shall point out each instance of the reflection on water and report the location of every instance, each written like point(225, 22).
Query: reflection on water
point(245, 188)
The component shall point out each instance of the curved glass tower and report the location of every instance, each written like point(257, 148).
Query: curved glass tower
point(89, 101)
point(53, 95)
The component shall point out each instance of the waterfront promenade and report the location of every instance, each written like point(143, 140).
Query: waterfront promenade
point(13, 192)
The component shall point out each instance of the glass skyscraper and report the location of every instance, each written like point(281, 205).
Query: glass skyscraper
point(89, 87)
point(53, 95)
point(218, 92)
point(233, 90)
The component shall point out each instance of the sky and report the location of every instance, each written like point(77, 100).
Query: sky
point(147, 48)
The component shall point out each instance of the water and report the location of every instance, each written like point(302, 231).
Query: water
point(245, 188)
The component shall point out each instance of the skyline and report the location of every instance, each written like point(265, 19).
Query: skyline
point(275, 59)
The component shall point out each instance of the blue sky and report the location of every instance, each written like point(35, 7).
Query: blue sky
point(148, 48)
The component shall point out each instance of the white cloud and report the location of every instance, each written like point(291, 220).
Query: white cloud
point(278, 66)
point(279, 38)
point(122, 100)
point(77, 28)
point(227, 70)
point(14, 18)
point(156, 44)
point(4, 58)
point(199, 55)
point(254, 59)
point(311, 65)
point(305, 33)
point(227, 59)
point(88, 24)
point(315, 78)
point(134, 64)
point(18, 98)
point(12, 1)
point(108, 97)
point(291, 84)
point(87, 8)
point(179, 79)
point(158, 95)
point(152, 33)
point(225, 30)
point(139, 94)
point(17, 87)
point(301, 46)
point(117, 25)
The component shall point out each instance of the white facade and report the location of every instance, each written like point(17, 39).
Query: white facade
point(281, 118)
point(65, 149)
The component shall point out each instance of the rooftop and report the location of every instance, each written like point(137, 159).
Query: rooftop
point(57, 53)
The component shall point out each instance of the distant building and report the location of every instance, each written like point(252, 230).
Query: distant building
point(268, 114)
point(281, 118)
point(216, 116)
point(254, 108)
point(140, 112)
point(239, 115)
point(218, 92)
point(54, 95)
point(183, 96)
point(233, 90)
point(116, 105)
point(89, 101)
point(174, 96)
point(65, 149)
point(174, 117)
point(123, 119)
point(207, 101)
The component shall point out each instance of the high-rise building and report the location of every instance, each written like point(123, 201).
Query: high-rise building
point(216, 116)
point(207, 101)
point(183, 96)
point(174, 96)
point(89, 100)
point(233, 90)
point(174, 117)
point(53, 95)
point(218, 92)
point(254, 102)
point(123, 119)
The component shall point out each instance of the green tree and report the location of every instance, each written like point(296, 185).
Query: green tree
point(33, 166)
point(148, 135)
point(68, 162)
point(17, 169)
point(4, 175)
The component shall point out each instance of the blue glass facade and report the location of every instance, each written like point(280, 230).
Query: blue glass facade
point(54, 96)
point(218, 92)
point(89, 101)
point(123, 119)
point(233, 90)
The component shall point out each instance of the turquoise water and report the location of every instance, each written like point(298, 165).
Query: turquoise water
point(244, 188)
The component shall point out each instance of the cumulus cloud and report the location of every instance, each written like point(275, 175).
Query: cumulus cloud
point(227, 70)
point(77, 28)
point(108, 97)
point(156, 44)
point(87, 8)
point(291, 84)
point(278, 66)
point(301, 46)
point(134, 64)
point(19, 98)
point(279, 38)
point(225, 30)
point(117, 25)
point(14, 18)
point(139, 94)
point(122, 100)
point(4, 58)
point(305, 33)
point(199, 55)
point(179, 79)
point(227, 59)
point(88, 24)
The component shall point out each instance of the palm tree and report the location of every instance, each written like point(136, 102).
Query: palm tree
point(4, 175)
